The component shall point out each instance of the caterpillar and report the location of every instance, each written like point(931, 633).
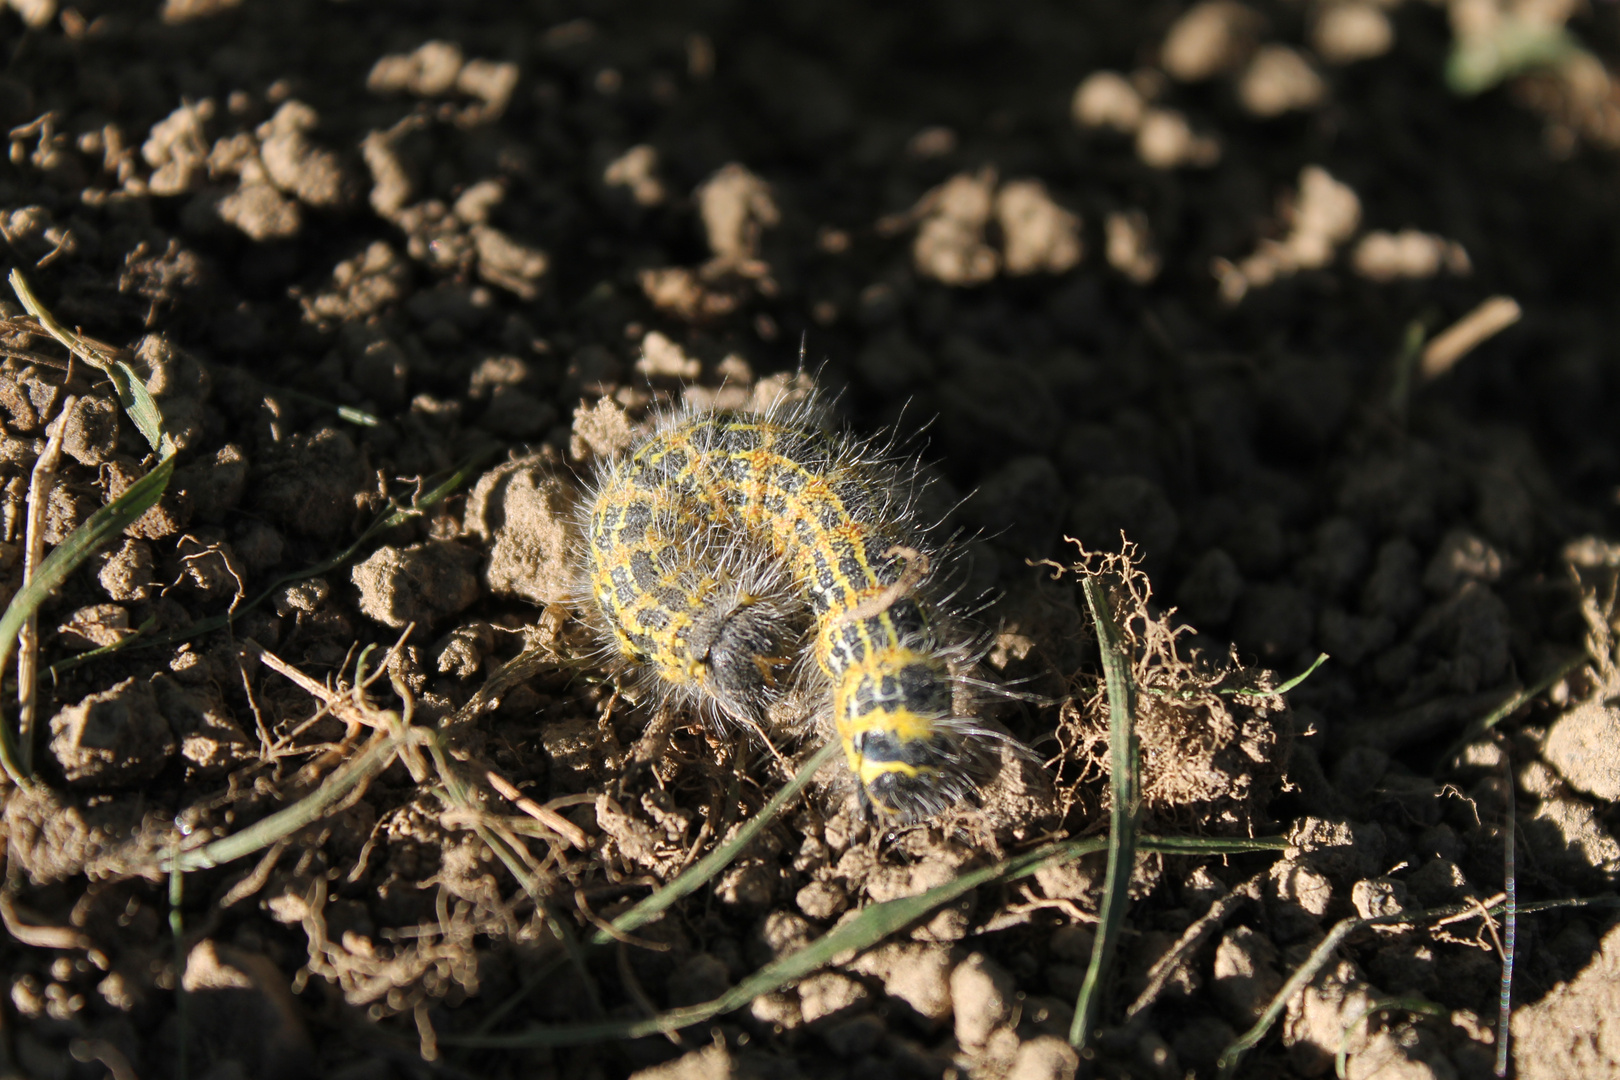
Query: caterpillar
point(732, 556)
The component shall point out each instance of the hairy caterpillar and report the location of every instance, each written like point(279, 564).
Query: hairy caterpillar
point(724, 542)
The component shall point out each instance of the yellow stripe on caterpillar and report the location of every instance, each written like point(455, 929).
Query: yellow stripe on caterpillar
point(725, 545)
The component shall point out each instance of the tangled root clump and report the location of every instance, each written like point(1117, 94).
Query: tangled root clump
point(1214, 735)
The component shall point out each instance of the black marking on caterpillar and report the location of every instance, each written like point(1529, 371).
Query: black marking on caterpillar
point(726, 547)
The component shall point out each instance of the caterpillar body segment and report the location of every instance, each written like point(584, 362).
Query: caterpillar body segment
point(725, 546)
point(719, 631)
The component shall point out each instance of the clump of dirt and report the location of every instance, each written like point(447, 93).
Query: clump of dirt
point(1214, 738)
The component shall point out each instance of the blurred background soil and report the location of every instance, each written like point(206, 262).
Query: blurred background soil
point(1312, 300)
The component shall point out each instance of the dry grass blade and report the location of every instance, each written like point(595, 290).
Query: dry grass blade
point(37, 935)
point(105, 1053)
point(1124, 811)
point(40, 485)
point(1465, 335)
point(546, 816)
point(1189, 942)
point(522, 666)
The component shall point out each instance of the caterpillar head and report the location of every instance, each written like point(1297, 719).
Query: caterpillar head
point(746, 649)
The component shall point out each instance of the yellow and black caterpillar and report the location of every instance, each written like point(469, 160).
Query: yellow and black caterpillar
point(723, 541)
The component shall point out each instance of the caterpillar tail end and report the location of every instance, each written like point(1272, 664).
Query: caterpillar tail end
point(907, 780)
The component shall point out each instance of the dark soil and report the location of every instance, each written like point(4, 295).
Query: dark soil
point(1126, 268)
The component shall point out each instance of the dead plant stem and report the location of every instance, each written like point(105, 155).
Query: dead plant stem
point(40, 485)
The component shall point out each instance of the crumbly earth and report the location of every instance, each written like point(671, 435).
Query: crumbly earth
point(1327, 339)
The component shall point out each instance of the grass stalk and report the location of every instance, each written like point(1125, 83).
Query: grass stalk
point(102, 526)
point(718, 859)
point(1123, 815)
point(1232, 1056)
point(368, 763)
point(863, 931)
point(392, 519)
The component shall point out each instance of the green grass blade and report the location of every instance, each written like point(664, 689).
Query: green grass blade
point(1232, 1056)
point(134, 637)
point(1516, 45)
point(1186, 693)
point(177, 937)
point(284, 822)
point(865, 930)
point(1513, 703)
point(718, 859)
point(358, 417)
point(868, 928)
point(1123, 815)
point(1510, 924)
point(689, 881)
point(1210, 846)
point(1321, 658)
point(392, 519)
point(132, 393)
point(1022, 866)
point(102, 526)
point(1413, 1004)
point(1406, 365)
